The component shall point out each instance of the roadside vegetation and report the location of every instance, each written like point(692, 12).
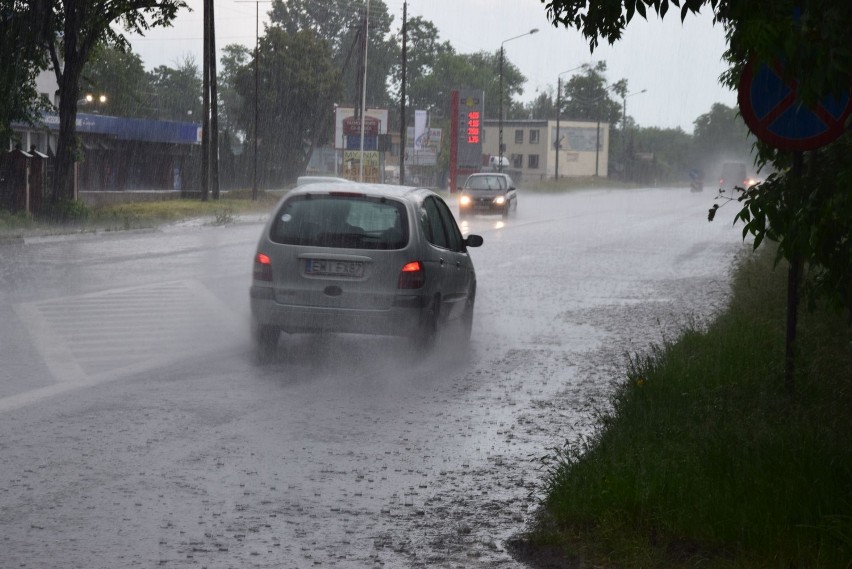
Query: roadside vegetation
point(75, 216)
point(567, 184)
point(703, 459)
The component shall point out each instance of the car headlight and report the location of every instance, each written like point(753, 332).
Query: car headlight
point(500, 200)
point(464, 200)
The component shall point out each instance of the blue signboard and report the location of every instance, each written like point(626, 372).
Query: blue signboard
point(353, 142)
point(123, 128)
point(771, 108)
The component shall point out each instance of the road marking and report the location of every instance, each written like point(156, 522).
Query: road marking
point(97, 337)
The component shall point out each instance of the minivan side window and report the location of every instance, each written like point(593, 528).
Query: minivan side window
point(433, 225)
point(454, 236)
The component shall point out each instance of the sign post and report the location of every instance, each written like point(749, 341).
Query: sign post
point(465, 133)
point(770, 105)
point(771, 108)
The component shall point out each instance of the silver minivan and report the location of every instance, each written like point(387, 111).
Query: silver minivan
point(361, 258)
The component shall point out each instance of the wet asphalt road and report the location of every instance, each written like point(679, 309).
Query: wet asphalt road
point(138, 432)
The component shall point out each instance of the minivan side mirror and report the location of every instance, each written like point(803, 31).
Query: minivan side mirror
point(473, 241)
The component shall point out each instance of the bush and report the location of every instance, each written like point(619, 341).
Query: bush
point(66, 211)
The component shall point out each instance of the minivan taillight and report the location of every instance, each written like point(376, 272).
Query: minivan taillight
point(262, 268)
point(412, 275)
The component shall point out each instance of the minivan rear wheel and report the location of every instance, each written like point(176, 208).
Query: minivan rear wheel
point(427, 333)
point(266, 343)
point(467, 319)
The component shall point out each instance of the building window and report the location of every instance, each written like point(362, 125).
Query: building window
point(532, 162)
point(519, 136)
point(517, 161)
point(534, 136)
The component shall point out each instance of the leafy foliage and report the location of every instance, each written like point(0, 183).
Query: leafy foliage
point(21, 59)
point(298, 86)
point(721, 135)
point(338, 23)
point(120, 75)
point(588, 97)
point(810, 217)
point(607, 18)
point(174, 92)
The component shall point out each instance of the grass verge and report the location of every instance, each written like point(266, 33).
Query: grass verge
point(575, 183)
point(705, 460)
point(77, 217)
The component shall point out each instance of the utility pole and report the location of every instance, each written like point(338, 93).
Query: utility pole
point(364, 88)
point(500, 118)
point(209, 122)
point(256, 86)
point(205, 105)
point(558, 113)
point(214, 109)
point(402, 125)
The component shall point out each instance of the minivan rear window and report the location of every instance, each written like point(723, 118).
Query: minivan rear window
point(343, 221)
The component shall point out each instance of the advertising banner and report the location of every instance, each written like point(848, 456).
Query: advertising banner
point(426, 154)
point(420, 118)
point(341, 113)
point(468, 118)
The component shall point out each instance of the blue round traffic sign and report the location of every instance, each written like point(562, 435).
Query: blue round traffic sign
point(770, 106)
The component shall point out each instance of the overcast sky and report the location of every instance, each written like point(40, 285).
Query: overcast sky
point(677, 64)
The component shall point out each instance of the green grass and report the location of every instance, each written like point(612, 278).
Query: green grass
point(705, 460)
point(574, 183)
point(77, 217)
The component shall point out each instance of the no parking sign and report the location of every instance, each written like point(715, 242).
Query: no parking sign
point(771, 108)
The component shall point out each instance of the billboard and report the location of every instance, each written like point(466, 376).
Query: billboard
point(422, 150)
point(343, 113)
point(577, 138)
point(468, 117)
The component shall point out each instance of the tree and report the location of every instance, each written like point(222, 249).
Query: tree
point(21, 59)
point(586, 96)
point(339, 23)
point(69, 31)
point(424, 49)
point(120, 76)
point(672, 149)
point(234, 58)
point(542, 107)
point(176, 92)
point(298, 86)
point(721, 135)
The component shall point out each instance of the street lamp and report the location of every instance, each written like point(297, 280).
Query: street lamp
point(256, 57)
point(500, 142)
point(90, 99)
point(624, 128)
point(558, 112)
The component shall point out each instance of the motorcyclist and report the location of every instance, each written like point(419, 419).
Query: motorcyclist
point(696, 177)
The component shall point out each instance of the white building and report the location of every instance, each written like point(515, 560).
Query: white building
point(531, 148)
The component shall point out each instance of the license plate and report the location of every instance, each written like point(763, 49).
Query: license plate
point(334, 268)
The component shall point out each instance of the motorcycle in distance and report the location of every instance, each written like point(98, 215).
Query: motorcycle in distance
point(696, 180)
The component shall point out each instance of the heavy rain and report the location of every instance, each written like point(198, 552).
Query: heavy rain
point(160, 403)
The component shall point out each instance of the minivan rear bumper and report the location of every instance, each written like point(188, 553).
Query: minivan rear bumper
point(401, 319)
